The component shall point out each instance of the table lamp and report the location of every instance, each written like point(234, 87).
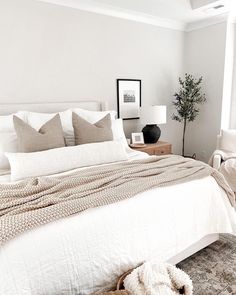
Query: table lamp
point(151, 116)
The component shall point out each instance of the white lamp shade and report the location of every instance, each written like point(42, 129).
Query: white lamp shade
point(153, 115)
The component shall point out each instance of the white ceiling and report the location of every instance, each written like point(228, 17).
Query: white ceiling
point(178, 10)
point(170, 13)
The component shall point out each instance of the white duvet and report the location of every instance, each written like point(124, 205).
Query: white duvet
point(87, 252)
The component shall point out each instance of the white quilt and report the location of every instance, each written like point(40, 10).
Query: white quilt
point(87, 252)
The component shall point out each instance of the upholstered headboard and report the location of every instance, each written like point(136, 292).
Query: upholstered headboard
point(53, 107)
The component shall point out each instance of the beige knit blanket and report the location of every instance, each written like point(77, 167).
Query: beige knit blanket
point(227, 167)
point(33, 202)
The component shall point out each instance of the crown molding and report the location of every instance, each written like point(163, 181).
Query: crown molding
point(232, 19)
point(206, 22)
point(138, 16)
point(121, 13)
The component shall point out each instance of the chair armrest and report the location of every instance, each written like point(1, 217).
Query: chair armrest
point(216, 161)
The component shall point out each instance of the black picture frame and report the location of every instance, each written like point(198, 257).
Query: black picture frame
point(121, 98)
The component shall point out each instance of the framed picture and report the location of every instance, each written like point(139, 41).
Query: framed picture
point(128, 98)
point(137, 138)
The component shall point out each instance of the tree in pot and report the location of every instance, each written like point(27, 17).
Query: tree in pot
point(186, 102)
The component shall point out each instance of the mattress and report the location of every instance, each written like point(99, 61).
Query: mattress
point(86, 252)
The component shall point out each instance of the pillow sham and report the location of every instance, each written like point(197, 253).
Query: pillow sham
point(118, 131)
point(8, 138)
point(36, 120)
point(86, 132)
point(49, 136)
point(93, 116)
point(64, 159)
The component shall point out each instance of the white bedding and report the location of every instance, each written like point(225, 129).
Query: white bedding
point(87, 252)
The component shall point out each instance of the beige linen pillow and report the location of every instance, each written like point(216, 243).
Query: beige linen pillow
point(49, 136)
point(86, 132)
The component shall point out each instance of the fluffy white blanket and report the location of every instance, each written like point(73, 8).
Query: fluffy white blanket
point(158, 278)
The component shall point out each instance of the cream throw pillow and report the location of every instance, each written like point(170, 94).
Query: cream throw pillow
point(65, 159)
point(36, 120)
point(86, 132)
point(49, 136)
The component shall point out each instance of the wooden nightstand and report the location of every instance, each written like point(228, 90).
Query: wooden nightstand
point(159, 148)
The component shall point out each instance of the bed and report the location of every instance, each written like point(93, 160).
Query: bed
point(86, 252)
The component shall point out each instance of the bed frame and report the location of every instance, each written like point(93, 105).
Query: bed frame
point(189, 251)
point(92, 105)
point(52, 107)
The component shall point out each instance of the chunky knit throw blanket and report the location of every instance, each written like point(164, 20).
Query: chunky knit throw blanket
point(227, 167)
point(38, 201)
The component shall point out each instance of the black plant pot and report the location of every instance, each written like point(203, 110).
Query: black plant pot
point(151, 133)
point(191, 157)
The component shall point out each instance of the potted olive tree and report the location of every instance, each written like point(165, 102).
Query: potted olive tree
point(187, 102)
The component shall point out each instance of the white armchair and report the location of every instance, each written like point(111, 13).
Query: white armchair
point(216, 162)
point(224, 158)
point(226, 141)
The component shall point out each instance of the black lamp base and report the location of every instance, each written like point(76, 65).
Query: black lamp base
point(151, 133)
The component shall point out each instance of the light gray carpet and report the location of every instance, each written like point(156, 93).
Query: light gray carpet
point(213, 269)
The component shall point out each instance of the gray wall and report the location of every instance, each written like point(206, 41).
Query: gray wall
point(53, 53)
point(233, 93)
point(205, 56)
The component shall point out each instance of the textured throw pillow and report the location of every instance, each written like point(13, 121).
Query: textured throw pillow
point(36, 120)
point(49, 136)
point(86, 132)
point(65, 159)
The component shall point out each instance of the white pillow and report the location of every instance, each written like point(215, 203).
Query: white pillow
point(24, 165)
point(228, 140)
point(118, 131)
point(36, 120)
point(93, 116)
point(8, 138)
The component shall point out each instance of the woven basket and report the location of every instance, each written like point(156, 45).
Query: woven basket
point(117, 292)
point(120, 283)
